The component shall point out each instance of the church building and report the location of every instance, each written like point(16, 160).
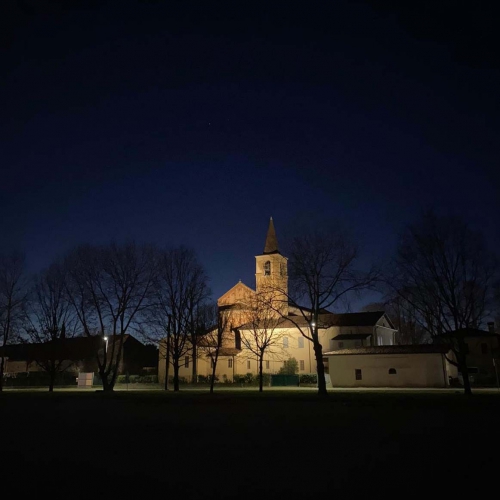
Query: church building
point(237, 356)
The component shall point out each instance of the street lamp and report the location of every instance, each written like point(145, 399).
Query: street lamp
point(106, 340)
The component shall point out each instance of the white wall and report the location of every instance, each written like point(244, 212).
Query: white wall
point(412, 370)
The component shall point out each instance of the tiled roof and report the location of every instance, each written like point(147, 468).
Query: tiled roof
point(357, 319)
point(229, 351)
point(328, 320)
point(392, 349)
point(352, 336)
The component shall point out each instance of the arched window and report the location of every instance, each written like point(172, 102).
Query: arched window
point(267, 268)
point(392, 371)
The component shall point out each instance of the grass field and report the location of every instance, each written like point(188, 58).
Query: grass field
point(244, 445)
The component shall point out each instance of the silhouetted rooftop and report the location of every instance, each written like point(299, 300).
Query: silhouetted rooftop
point(352, 336)
point(392, 349)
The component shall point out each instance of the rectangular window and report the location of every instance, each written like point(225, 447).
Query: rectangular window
point(484, 348)
point(301, 342)
point(302, 365)
point(186, 362)
point(248, 364)
point(267, 365)
point(341, 345)
point(358, 374)
point(285, 342)
point(230, 363)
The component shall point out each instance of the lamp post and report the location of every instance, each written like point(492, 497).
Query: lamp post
point(106, 340)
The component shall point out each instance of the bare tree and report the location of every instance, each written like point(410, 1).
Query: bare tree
point(404, 318)
point(49, 320)
point(109, 287)
point(496, 307)
point(181, 288)
point(445, 273)
point(323, 272)
point(197, 324)
point(262, 334)
point(217, 332)
point(13, 292)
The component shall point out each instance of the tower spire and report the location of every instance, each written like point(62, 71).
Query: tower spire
point(271, 245)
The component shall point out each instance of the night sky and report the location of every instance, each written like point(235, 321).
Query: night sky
point(193, 122)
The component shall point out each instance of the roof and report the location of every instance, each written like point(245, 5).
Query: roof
point(328, 320)
point(393, 349)
point(240, 290)
point(357, 319)
point(352, 336)
point(468, 333)
point(69, 348)
point(229, 351)
point(292, 307)
point(271, 245)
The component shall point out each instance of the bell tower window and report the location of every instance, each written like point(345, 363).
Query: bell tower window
point(267, 268)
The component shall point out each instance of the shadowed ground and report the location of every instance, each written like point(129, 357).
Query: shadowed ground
point(245, 445)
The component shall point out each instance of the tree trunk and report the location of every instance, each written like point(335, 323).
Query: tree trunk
point(194, 373)
point(51, 381)
point(465, 375)
point(320, 368)
point(214, 368)
point(2, 368)
point(176, 375)
point(167, 365)
point(261, 359)
point(462, 365)
point(114, 376)
point(105, 382)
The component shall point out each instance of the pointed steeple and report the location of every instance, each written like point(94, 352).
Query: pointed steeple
point(271, 245)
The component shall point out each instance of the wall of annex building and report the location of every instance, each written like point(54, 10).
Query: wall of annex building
point(389, 370)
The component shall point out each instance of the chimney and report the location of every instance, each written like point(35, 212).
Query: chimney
point(491, 326)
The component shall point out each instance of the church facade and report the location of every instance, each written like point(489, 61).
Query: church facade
point(237, 355)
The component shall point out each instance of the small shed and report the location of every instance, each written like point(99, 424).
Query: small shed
point(424, 365)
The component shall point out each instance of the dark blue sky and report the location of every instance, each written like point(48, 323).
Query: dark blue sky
point(193, 122)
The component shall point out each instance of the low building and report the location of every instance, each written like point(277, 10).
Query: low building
point(78, 354)
point(423, 365)
point(483, 351)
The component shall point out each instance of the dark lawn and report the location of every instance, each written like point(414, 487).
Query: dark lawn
point(247, 446)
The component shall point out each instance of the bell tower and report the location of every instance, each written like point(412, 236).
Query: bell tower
point(271, 270)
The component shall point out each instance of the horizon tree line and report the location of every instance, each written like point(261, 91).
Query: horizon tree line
point(441, 280)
